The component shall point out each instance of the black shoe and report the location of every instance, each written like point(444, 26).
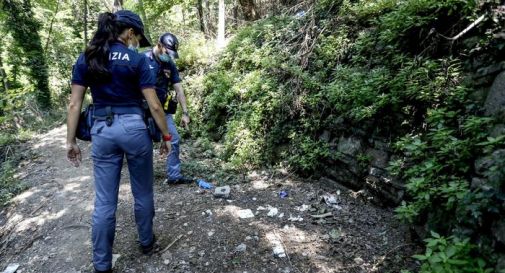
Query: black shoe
point(103, 271)
point(148, 249)
point(182, 180)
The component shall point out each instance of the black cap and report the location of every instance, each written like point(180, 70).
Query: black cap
point(170, 42)
point(132, 19)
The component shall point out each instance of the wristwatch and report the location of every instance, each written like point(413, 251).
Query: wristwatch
point(185, 113)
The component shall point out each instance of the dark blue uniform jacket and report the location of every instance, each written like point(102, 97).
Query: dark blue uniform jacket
point(130, 74)
point(159, 69)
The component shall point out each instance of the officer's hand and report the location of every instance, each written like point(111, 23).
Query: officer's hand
point(165, 147)
point(185, 120)
point(74, 154)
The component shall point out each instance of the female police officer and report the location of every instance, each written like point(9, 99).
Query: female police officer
point(119, 78)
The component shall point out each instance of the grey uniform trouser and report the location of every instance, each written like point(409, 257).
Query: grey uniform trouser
point(126, 136)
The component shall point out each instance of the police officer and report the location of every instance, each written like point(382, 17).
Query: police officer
point(119, 79)
point(161, 60)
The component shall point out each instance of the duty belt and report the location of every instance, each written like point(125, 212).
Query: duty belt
point(106, 113)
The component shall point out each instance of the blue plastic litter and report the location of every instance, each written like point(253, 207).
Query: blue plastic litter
point(283, 194)
point(204, 185)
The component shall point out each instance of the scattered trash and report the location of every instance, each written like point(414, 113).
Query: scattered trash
point(324, 215)
point(295, 219)
point(272, 212)
point(210, 233)
point(330, 199)
point(277, 245)
point(261, 208)
point(222, 192)
point(208, 212)
point(245, 213)
point(115, 257)
point(278, 251)
point(283, 194)
point(254, 199)
point(335, 234)
point(281, 215)
point(300, 14)
point(241, 248)
point(11, 268)
point(359, 261)
point(302, 208)
point(204, 185)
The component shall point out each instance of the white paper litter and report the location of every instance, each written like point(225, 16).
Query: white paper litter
point(245, 213)
point(272, 212)
point(11, 268)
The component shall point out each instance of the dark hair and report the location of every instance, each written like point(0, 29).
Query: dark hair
point(97, 52)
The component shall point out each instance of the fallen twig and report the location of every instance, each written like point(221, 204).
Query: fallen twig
point(76, 226)
point(172, 243)
point(467, 29)
point(38, 208)
point(30, 243)
point(324, 215)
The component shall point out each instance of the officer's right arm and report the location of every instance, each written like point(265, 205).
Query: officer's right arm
point(79, 84)
point(74, 111)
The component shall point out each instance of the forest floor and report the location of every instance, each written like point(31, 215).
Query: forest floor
point(47, 228)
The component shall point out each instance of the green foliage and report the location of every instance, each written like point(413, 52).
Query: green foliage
point(20, 21)
point(379, 66)
point(9, 186)
point(451, 255)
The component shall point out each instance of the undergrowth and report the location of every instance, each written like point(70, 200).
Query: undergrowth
point(287, 86)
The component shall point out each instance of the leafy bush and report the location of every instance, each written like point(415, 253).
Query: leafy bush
point(287, 87)
point(451, 255)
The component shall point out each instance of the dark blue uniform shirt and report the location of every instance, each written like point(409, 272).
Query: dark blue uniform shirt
point(159, 69)
point(130, 74)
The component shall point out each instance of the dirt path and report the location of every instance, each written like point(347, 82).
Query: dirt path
point(47, 227)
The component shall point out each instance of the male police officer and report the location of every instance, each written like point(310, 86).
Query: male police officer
point(161, 61)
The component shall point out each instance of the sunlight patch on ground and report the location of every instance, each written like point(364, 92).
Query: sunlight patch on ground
point(259, 184)
point(39, 220)
point(55, 135)
point(24, 195)
point(73, 187)
point(229, 210)
point(291, 240)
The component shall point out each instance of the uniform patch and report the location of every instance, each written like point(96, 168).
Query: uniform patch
point(119, 56)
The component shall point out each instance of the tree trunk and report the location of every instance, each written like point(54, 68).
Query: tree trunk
point(199, 8)
point(249, 10)
point(50, 32)
point(5, 87)
point(144, 19)
point(221, 25)
point(3, 75)
point(235, 16)
point(207, 19)
point(118, 5)
point(85, 23)
point(20, 21)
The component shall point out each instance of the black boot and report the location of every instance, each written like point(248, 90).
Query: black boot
point(149, 249)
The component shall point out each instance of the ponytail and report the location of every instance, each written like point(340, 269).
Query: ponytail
point(97, 52)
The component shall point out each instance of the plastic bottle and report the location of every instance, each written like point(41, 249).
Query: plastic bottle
point(203, 184)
